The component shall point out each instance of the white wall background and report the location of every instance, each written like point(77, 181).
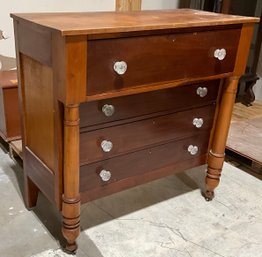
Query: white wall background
point(7, 47)
point(159, 4)
point(7, 7)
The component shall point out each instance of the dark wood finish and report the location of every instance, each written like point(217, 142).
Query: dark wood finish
point(115, 187)
point(226, 5)
point(158, 59)
point(142, 134)
point(10, 128)
point(154, 87)
point(142, 104)
point(51, 90)
point(143, 161)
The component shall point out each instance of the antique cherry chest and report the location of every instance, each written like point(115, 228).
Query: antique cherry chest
point(114, 100)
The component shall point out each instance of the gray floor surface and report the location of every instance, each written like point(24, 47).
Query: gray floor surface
point(165, 218)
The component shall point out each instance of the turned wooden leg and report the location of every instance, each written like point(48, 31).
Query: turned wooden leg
point(31, 192)
point(217, 152)
point(71, 196)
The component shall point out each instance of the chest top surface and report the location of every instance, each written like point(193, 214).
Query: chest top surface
point(113, 22)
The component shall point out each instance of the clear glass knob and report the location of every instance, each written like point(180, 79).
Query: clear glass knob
point(192, 149)
point(220, 54)
point(106, 145)
point(120, 67)
point(198, 122)
point(105, 175)
point(201, 91)
point(108, 110)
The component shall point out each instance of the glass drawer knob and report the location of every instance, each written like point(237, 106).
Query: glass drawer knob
point(105, 175)
point(220, 54)
point(192, 149)
point(106, 145)
point(198, 122)
point(120, 67)
point(108, 110)
point(201, 91)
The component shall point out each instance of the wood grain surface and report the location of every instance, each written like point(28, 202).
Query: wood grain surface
point(110, 22)
point(10, 128)
point(141, 162)
point(38, 107)
point(9, 114)
point(134, 136)
point(163, 49)
point(245, 138)
point(245, 133)
point(158, 58)
point(135, 106)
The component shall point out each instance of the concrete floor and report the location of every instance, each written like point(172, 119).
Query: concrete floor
point(165, 218)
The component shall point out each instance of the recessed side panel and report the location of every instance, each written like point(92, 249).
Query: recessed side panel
point(38, 109)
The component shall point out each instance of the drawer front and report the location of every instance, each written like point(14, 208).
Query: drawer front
point(112, 141)
point(141, 162)
point(158, 59)
point(93, 113)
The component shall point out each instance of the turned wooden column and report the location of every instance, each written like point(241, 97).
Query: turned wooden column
point(217, 151)
point(71, 196)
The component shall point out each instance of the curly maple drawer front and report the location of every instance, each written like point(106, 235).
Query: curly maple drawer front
point(112, 141)
point(141, 162)
point(116, 64)
point(119, 108)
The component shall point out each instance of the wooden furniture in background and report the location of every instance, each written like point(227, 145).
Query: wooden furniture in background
point(112, 100)
point(128, 5)
point(245, 135)
point(251, 77)
point(248, 8)
point(10, 128)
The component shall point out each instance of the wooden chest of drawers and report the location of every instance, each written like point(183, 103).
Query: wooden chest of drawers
point(114, 100)
point(10, 128)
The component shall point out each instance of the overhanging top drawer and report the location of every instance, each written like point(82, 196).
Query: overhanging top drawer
point(159, 58)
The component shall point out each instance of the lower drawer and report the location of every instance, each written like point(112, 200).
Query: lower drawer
point(117, 140)
point(144, 162)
